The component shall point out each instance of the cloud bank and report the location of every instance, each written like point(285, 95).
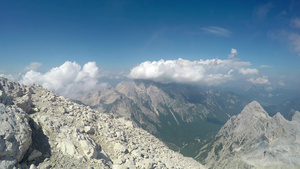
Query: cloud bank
point(69, 79)
point(209, 72)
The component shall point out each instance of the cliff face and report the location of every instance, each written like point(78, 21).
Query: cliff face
point(253, 139)
point(43, 130)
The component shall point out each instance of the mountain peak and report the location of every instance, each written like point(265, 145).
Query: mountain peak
point(252, 118)
point(255, 109)
point(253, 139)
point(254, 103)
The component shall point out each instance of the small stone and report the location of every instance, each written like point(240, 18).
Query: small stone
point(46, 165)
point(61, 110)
point(52, 98)
point(89, 130)
point(35, 109)
point(34, 155)
point(36, 125)
point(32, 166)
point(118, 161)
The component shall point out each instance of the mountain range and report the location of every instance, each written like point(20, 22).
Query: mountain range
point(113, 128)
point(178, 114)
point(186, 117)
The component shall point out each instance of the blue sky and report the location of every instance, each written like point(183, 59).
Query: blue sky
point(119, 35)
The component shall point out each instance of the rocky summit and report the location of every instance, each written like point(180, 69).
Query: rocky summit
point(253, 139)
point(39, 129)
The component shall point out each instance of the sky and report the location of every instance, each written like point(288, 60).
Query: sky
point(70, 44)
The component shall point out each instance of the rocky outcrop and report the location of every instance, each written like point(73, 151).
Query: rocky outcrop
point(17, 94)
point(15, 135)
point(55, 132)
point(253, 139)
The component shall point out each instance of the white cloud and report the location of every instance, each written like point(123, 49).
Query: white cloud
point(18, 76)
point(260, 80)
point(265, 66)
point(246, 71)
point(33, 66)
point(230, 71)
point(233, 53)
point(68, 80)
point(295, 22)
point(207, 72)
point(217, 31)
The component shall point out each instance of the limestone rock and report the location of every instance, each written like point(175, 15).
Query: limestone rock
point(24, 103)
point(4, 98)
point(89, 130)
point(15, 134)
point(67, 147)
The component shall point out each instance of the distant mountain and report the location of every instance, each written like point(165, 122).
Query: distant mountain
point(183, 116)
point(253, 139)
point(273, 100)
point(290, 107)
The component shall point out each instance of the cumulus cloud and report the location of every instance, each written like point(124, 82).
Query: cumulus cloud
point(233, 53)
point(18, 76)
point(247, 71)
point(260, 80)
point(217, 31)
point(69, 79)
point(206, 72)
point(33, 66)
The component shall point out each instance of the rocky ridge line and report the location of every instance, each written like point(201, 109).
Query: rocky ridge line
point(55, 132)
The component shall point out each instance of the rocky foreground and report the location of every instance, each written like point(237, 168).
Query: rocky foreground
point(39, 129)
